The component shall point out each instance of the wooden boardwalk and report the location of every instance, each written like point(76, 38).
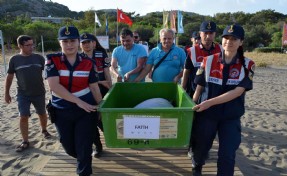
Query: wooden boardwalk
point(141, 162)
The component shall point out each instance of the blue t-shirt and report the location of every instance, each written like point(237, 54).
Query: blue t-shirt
point(127, 59)
point(170, 67)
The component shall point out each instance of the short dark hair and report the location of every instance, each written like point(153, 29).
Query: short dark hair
point(136, 32)
point(23, 38)
point(125, 32)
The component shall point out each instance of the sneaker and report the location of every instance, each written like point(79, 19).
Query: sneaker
point(190, 156)
point(46, 134)
point(97, 153)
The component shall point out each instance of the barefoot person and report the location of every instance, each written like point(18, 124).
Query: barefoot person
point(28, 68)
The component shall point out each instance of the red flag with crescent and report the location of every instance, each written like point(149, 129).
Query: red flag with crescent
point(123, 18)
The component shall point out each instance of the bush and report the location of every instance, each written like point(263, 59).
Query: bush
point(49, 46)
point(268, 50)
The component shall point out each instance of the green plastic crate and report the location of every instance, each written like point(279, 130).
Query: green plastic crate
point(157, 127)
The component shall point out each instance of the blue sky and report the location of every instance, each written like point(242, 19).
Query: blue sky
point(203, 7)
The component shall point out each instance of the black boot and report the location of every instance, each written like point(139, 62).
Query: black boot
point(98, 150)
point(196, 171)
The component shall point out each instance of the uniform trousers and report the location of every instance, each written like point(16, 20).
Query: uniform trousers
point(95, 131)
point(75, 132)
point(229, 138)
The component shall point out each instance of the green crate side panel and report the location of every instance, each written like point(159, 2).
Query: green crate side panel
point(183, 120)
point(121, 99)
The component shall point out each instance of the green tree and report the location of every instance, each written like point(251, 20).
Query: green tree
point(10, 32)
point(146, 32)
point(39, 28)
point(276, 40)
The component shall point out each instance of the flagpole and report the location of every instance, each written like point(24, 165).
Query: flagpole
point(106, 24)
point(95, 29)
point(117, 26)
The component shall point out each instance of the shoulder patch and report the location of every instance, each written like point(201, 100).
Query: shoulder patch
point(107, 60)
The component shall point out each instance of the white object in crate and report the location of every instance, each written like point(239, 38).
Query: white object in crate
point(154, 103)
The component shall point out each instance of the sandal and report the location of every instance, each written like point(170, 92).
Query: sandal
point(23, 146)
point(46, 134)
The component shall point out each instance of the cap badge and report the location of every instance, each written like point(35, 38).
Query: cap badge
point(85, 36)
point(208, 26)
point(231, 29)
point(67, 32)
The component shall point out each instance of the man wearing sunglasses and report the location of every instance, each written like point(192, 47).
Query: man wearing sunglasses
point(137, 40)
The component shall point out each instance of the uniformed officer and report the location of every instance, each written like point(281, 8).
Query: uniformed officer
point(195, 55)
point(222, 81)
point(92, 49)
point(195, 38)
point(73, 83)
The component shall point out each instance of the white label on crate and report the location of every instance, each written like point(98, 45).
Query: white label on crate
point(141, 127)
point(168, 127)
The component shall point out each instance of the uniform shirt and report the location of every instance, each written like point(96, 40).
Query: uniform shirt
point(127, 59)
point(195, 56)
point(75, 79)
point(170, 67)
point(28, 70)
point(102, 61)
point(217, 78)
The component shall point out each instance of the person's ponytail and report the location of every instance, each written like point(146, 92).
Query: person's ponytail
point(242, 59)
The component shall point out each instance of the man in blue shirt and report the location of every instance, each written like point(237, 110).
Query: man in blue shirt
point(128, 59)
point(170, 69)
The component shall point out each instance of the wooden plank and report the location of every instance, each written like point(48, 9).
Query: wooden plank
point(139, 162)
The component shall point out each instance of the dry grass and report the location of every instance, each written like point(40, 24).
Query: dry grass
point(261, 59)
point(268, 59)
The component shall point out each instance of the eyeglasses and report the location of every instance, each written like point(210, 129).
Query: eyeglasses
point(136, 37)
point(29, 45)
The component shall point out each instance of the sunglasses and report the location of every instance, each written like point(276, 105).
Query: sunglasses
point(136, 37)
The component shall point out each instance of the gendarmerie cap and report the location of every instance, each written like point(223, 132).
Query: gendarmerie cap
point(87, 37)
point(208, 26)
point(234, 30)
point(68, 32)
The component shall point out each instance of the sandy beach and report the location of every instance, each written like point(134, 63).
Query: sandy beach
point(263, 150)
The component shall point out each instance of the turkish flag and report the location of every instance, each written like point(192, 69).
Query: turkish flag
point(124, 18)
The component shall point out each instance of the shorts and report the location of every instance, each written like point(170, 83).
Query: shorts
point(24, 103)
